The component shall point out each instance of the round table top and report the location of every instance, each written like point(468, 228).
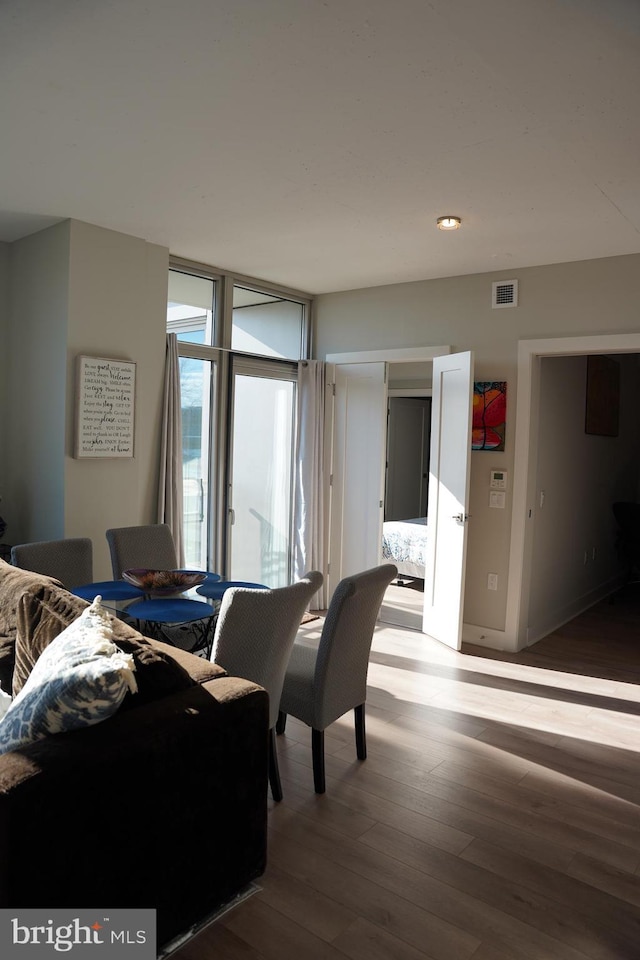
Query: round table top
point(108, 590)
point(215, 591)
point(211, 577)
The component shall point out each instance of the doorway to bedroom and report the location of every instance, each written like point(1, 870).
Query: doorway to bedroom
point(356, 429)
point(406, 501)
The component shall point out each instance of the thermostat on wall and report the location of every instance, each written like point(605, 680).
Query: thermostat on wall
point(498, 480)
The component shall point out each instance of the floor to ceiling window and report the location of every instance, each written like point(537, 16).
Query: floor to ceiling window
point(190, 315)
point(239, 344)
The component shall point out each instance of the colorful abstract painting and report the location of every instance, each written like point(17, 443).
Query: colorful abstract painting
point(489, 415)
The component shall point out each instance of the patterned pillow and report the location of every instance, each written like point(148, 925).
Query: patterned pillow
point(81, 678)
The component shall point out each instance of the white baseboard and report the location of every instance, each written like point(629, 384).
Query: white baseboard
point(485, 637)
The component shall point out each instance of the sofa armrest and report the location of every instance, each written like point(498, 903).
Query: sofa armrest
point(164, 806)
point(198, 668)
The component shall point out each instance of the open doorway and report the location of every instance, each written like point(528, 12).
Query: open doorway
point(531, 518)
point(356, 431)
point(404, 528)
point(585, 464)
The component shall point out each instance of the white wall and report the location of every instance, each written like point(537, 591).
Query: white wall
point(117, 309)
point(581, 476)
point(587, 297)
point(37, 379)
point(79, 289)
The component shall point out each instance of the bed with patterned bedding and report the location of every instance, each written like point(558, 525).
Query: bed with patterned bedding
point(404, 542)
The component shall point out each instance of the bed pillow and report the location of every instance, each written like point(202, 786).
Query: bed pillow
point(81, 678)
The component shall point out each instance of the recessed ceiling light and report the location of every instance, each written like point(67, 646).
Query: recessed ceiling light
point(448, 223)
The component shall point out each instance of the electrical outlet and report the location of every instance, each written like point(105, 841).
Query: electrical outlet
point(492, 581)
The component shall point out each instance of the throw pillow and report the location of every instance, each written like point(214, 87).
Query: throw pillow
point(15, 582)
point(81, 678)
point(42, 617)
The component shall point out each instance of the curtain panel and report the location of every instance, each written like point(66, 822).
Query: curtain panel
point(170, 500)
point(308, 544)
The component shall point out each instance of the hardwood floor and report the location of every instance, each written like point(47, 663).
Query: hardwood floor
point(496, 817)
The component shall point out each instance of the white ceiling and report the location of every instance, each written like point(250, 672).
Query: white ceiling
point(314, 143)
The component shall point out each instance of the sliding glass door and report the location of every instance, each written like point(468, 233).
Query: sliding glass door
point(261, 472)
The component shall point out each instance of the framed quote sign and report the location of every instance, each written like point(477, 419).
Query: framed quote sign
point(105, 408)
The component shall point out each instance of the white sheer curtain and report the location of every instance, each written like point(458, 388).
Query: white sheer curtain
point(308, 544)
point(170, 502)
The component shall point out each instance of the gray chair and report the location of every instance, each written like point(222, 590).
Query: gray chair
point(151, 546)
point(70, 561)
point(254, 635)
point(324, 682)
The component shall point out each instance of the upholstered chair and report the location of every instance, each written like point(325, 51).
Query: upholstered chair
point(324, 682)
point(70, 561)
point(150, 546)
point(254, 635)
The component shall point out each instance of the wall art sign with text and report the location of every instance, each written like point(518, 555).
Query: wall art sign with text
point(105, 408)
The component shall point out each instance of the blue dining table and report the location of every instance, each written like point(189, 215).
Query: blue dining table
point(166, 618)
point(169, 618)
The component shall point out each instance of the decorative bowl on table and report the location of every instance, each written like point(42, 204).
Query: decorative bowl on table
point(163, 583)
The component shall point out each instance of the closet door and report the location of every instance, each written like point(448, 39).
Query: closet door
point(358, 445)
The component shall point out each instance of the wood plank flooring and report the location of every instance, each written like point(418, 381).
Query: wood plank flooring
point(497, 816)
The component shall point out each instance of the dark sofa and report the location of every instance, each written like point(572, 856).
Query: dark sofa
point(163, 805)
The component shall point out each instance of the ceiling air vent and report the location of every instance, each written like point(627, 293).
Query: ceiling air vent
point(504, 293)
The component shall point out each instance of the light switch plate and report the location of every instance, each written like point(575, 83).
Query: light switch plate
point(497, 499)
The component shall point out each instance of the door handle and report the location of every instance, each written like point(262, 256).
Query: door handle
point(461, 517)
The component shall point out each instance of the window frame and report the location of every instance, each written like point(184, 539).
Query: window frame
point(222, 356)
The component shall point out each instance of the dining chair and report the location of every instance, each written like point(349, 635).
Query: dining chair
point(70, 560)
point(325, 681)
point(254, 635)
point(150, 546)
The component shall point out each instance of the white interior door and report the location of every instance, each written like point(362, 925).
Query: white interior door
point(358, 458)
point(451, 417)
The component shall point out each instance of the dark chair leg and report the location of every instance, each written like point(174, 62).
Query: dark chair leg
point(317, 751)
point(274, 773)
point(281, 722)
point(361, 739)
